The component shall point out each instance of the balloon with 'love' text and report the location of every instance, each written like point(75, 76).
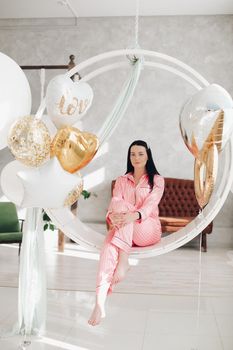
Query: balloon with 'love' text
point(67, 101)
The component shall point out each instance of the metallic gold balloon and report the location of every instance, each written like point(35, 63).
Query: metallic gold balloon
point(74, 148)
point(205, 173)
point(206, 163)
point(216, 133)
point(29, 141)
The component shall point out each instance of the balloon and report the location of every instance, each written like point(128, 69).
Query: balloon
point(212, 107)
point(67, 101)
point(74, 148)
point(15, 95)
point(11, 185)
point(46, 187)
point(205, 173)
point(29, 141)
point(50, 126)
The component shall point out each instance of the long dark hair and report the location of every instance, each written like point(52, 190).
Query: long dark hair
point(150, 165)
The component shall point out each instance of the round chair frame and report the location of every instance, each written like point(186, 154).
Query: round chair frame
point(92, 240)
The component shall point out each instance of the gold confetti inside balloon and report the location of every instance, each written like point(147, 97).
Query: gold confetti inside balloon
point(74, 148)
point(29, 141)
point(74, 194)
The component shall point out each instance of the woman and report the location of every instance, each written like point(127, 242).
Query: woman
point(133, 219)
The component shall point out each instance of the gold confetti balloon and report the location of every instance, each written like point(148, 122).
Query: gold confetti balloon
point(29, 141)
point(74, 148)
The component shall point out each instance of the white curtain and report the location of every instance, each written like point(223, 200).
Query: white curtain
point(32, 276)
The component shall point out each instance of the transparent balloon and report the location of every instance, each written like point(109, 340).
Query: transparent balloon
point(29, 141)
point(207, 117)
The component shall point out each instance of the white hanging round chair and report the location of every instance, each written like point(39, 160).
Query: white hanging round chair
point(92, 240)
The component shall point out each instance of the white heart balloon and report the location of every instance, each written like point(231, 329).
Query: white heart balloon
point(67, 101)
point(15, 95)
point(200, 113)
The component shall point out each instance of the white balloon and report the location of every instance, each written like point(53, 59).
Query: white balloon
point(11, 185)
point(46, 187)
point(15, 95)
point(67, 101)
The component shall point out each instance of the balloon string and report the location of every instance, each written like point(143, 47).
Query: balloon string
point(70, 7)
point(42, 105)
point(25, 343)
point(136, 23)
point(200, 213)
point(199, 292)
point(42, 83)
point(41, 109)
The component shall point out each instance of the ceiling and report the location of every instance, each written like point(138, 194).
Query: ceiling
point(101, 8)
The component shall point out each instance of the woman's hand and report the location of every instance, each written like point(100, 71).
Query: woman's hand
point(121, 219)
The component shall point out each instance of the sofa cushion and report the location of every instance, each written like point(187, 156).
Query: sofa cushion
point(173, 221)
point(12, 237)
point(8, 218)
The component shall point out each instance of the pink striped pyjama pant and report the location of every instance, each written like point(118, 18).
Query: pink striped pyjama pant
point(141, 234)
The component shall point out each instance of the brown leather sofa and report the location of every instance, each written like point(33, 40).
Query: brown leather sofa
point(179, 206)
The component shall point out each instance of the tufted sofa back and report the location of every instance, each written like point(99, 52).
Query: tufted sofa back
point(178, 199)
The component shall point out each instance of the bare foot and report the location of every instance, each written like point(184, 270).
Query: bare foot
point(121, 270)
point(97, 314)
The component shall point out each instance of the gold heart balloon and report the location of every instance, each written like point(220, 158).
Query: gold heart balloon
point(74, 148)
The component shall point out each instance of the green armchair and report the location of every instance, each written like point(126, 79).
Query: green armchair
point(10, 226)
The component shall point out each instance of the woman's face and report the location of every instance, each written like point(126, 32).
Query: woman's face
point(138, 157)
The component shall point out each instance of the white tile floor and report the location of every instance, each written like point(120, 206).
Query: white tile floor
point(154, 308)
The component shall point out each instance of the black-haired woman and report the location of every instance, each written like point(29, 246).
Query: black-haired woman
point(133, 218)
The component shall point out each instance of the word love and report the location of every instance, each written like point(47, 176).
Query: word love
point(76, 106)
